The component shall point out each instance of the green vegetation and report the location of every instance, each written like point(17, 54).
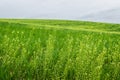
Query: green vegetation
point(59, 50)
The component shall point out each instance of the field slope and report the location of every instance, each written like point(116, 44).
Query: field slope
point(59, 49)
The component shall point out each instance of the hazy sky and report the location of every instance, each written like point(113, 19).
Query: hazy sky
point(53, 8)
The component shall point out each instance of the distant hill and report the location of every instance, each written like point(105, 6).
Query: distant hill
point(112, 16)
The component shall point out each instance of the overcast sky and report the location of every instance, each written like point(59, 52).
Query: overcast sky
point(53, 8)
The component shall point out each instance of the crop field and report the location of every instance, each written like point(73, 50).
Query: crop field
point(59, 50)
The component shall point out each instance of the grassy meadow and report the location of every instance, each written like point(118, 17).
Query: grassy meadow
point(59, 50)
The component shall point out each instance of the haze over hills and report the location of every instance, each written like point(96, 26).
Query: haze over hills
point(108, 15)
point(111, 15)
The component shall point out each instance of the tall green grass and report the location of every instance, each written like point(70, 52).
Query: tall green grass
point(34, 51)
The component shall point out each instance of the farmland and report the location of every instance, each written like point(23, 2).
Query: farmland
point(59, 50)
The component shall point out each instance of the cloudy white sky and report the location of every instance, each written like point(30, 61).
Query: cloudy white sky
point(67, 9)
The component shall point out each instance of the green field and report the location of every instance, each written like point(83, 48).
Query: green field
point(59, 50)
